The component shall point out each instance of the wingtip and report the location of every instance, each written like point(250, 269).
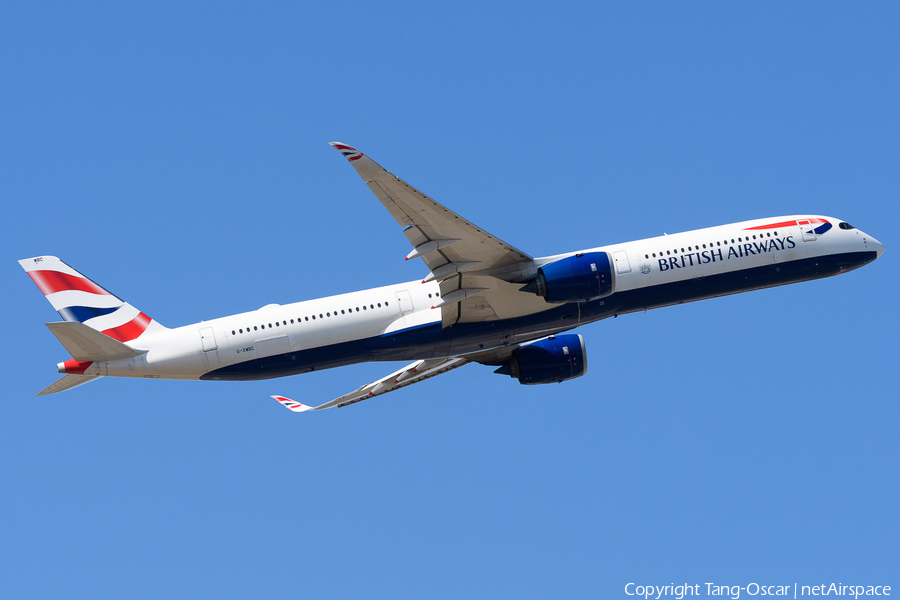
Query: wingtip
point(349, 152)
point(291, 405)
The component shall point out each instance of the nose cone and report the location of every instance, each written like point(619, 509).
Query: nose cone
point(878, 246)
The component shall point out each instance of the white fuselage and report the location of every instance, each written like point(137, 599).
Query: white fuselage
point(388, 323)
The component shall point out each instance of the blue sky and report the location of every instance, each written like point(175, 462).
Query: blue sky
point(178, 155)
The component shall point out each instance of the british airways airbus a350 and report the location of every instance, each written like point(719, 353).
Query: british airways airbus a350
point(483, 301)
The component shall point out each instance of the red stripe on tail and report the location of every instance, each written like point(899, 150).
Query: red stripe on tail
point(51, 282)
point(130, 330)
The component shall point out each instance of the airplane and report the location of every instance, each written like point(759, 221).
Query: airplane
point(483, 301)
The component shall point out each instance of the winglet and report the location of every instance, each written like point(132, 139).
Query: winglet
point(291, 404)
point(349, 152)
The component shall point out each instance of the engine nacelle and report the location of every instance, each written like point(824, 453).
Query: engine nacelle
point(574, 279)
point(549, 360)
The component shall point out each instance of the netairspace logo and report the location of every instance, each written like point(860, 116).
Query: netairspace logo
point(754, 589)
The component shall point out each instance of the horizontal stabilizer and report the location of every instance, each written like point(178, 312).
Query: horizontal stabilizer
point(67, 383)
point(85, 344)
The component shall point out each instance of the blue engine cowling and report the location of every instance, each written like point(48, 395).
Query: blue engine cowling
point(549, 360)
point(574, 279)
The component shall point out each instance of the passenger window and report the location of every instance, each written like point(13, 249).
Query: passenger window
point(254, 328)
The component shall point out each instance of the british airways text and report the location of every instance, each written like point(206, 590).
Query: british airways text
point(736, 251)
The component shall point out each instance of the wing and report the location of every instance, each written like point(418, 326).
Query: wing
point(408, 375)
point(477, 271)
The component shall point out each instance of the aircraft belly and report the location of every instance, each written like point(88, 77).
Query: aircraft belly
point(733, 282)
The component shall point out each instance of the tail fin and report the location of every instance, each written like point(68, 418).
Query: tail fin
point(77, 298)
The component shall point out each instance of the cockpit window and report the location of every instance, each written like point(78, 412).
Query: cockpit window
point(846, 225)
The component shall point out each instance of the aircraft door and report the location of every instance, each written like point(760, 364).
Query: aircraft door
point(807, 230)
point(404, 302)
point(621, 260)
point(208, 339)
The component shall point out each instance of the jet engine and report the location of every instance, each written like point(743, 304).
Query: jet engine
point(549, 360)
point(574, 279)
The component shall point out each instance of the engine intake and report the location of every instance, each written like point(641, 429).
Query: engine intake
point(574, 279)
point(549, 360)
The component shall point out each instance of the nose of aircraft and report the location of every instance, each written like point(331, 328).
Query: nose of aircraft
point(879, 247)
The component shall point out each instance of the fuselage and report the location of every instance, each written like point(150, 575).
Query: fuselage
point(397, 322)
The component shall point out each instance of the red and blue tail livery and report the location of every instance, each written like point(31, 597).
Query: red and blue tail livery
point(478, 300)
point(78, 299)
